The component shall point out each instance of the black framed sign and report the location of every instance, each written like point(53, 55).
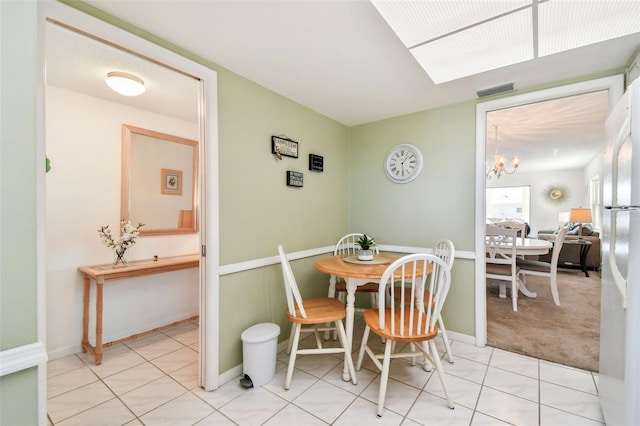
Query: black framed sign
point(316, 162)
point(283, 146)
point(294, 178)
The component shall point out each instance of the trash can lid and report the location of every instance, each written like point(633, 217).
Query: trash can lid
point(260, 333)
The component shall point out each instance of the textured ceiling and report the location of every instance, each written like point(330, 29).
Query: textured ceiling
point(562, 133)
point(338, 58)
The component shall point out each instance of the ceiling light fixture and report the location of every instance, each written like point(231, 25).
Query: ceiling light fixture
point(125, 84)
point(499, 163)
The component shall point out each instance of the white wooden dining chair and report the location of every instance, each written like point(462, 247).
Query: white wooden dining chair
point(407, 321)
point(312, 316)
point(513, 224)
point(446, 251)
point(500, 260)
point(545, 269)
point(347, 246)
point(337, 285)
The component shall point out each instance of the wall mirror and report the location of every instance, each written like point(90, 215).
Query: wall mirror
point(159, 181)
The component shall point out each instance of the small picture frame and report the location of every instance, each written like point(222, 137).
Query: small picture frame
point(316, 162)
point(295, 179)
point(171, 182)
point(283, 146)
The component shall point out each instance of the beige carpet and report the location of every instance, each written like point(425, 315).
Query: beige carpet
point(568, 334)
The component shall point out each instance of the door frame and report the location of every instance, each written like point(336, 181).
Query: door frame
point(208, 206)
point(614, 84)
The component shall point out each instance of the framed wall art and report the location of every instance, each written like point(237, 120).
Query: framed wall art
point(283, 146)
point(171, 182)
point(316, 162)
point(295, 179)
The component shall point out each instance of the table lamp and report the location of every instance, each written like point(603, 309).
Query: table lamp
point(580, 216)
point(563, 217)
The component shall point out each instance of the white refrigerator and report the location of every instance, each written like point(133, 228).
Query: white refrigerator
point(619, 376)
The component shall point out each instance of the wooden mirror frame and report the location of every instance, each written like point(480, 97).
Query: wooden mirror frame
point(187, 217)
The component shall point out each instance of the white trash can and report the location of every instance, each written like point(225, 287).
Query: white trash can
point(259, 350)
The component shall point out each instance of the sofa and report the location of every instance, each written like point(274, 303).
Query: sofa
point(570, 254)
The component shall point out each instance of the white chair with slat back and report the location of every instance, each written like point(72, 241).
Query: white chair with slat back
point(544, 269)
point(500, 260)
point(411, 321)
point(446, 251)
point(313, 314)
point(347, 246)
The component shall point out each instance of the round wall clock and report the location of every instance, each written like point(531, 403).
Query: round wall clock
point(403, 163)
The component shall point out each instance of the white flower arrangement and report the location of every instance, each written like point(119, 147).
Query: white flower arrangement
point(126, 240)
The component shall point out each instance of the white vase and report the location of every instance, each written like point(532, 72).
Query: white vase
point(365, 254)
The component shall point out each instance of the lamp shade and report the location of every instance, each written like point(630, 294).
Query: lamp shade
point(580, 215)
point(125, 84)
point(563, 217)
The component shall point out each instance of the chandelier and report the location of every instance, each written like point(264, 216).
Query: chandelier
point(499, 163)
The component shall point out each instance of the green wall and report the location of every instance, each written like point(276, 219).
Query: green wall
point(439, 203)
point(18, 162)
point(258, 211)
point(18, 398)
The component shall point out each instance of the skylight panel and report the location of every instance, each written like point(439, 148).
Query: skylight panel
point(416, 22)
point(565, 25)
point(494, 44)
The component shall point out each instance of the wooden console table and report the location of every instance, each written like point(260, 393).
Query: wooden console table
point(102, 273)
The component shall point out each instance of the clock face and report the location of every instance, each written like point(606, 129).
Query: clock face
point(403, 163)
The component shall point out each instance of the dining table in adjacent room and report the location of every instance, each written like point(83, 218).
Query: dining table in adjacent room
point(355, 272)
point(529, 247)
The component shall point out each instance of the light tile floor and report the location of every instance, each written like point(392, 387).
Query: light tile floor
point(153, 381)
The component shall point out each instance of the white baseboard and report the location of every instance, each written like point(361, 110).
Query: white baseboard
point(76, 348)
point(462, 338)
point(66, 351)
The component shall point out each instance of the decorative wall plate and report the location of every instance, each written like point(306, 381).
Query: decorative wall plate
point(555, 193)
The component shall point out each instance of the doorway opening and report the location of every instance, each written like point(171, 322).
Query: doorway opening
point(83, 187)
point(613, 87)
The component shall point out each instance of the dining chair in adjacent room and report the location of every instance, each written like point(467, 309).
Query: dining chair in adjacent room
point(313, 314)
point(513, 224)
point(544, 269)
point(500, 260)
point(407, 321)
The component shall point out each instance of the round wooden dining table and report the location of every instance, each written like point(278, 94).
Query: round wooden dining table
point(355, 272)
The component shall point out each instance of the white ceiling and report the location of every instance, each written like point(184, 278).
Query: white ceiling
point(340, 58)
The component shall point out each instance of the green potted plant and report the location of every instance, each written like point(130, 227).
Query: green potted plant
point(366, 245)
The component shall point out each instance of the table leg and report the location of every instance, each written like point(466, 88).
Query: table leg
point(351, 298)
point(524, 290)
point(85, 315)
point(99, 285)
point(332, 294)
point(584, 249)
